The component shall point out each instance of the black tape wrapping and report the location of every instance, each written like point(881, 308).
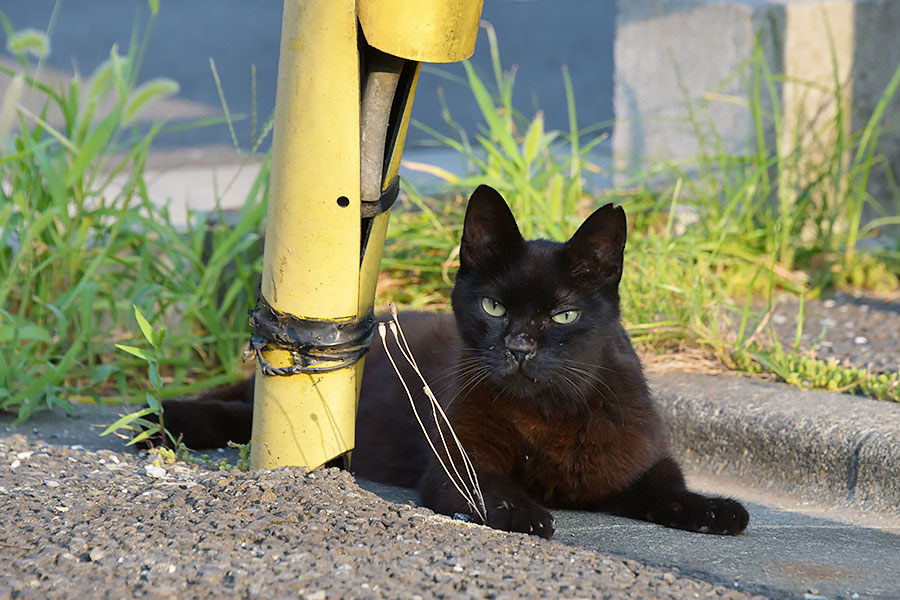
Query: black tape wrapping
point(316, 346)
point(384, 202)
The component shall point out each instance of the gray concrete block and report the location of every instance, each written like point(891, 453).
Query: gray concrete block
point(823, 447)
point(683, 74)
point(671, 59)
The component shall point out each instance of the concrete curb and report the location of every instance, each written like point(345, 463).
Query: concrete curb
point(821, 447)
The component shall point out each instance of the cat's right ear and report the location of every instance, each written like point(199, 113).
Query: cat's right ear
point(489, 230)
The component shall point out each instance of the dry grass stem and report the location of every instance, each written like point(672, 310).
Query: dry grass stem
point(468, 486)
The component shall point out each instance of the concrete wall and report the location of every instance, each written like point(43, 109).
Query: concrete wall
point(683, 75)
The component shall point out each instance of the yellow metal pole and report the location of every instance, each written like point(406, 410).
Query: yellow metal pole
point(323, 253)
point(311, 264)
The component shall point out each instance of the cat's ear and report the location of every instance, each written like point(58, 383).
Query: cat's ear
point(597, 249)
point(489, 230)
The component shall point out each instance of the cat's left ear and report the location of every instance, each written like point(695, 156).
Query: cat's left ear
point(598, 247)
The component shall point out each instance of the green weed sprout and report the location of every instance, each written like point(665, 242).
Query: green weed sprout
point(137, 420)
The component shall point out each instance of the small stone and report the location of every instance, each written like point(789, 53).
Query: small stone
point(24, 455)
point(51, 483)
point(317, 595)
point(61, 509)
point(96, 554)
point(860, 340)
point(669, 578)
point(155, 472)
point(15, 464)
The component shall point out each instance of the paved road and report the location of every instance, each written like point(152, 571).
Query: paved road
point(537, 35)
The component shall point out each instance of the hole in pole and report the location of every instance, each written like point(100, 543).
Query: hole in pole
point(343, 201)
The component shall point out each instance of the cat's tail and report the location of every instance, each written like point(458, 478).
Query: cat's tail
point(210, 420)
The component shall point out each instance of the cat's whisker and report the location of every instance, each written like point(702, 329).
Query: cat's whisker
point(588, 375)
point(463, 392)
point(589, 365)
point(454, 375)
point(591, 379)
point(579, 393)
point(457, 372)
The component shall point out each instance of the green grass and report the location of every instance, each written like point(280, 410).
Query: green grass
point(82, 246)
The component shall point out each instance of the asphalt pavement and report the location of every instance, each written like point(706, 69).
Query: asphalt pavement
point(536, 37)
point(805, 540)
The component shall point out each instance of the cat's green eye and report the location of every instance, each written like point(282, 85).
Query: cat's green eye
point(492, 307)
point(566, 316)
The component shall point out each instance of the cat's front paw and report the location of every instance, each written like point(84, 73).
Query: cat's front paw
point(703, 514)
point(521, 515)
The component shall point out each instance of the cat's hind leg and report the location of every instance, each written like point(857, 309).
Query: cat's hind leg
point(660, 496)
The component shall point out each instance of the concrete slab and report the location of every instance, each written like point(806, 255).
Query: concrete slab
point(793, 548)
point(670, 59)
point(818, 446)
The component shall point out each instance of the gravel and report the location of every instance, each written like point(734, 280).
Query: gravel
point(107, 524)
point(855, 330)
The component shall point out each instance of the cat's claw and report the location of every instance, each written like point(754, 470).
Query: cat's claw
point(525, 516)
point(693, 512)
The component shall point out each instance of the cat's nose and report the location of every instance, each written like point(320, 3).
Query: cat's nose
point(520, 347)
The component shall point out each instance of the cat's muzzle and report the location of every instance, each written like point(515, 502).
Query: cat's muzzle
point(520, 348)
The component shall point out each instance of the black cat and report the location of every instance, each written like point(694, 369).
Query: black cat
point(539, 380)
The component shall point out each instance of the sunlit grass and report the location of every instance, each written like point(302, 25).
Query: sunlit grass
point(709, 239)
point(81, 243)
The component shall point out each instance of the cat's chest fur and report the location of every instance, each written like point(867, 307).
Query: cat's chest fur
point(578, 460)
